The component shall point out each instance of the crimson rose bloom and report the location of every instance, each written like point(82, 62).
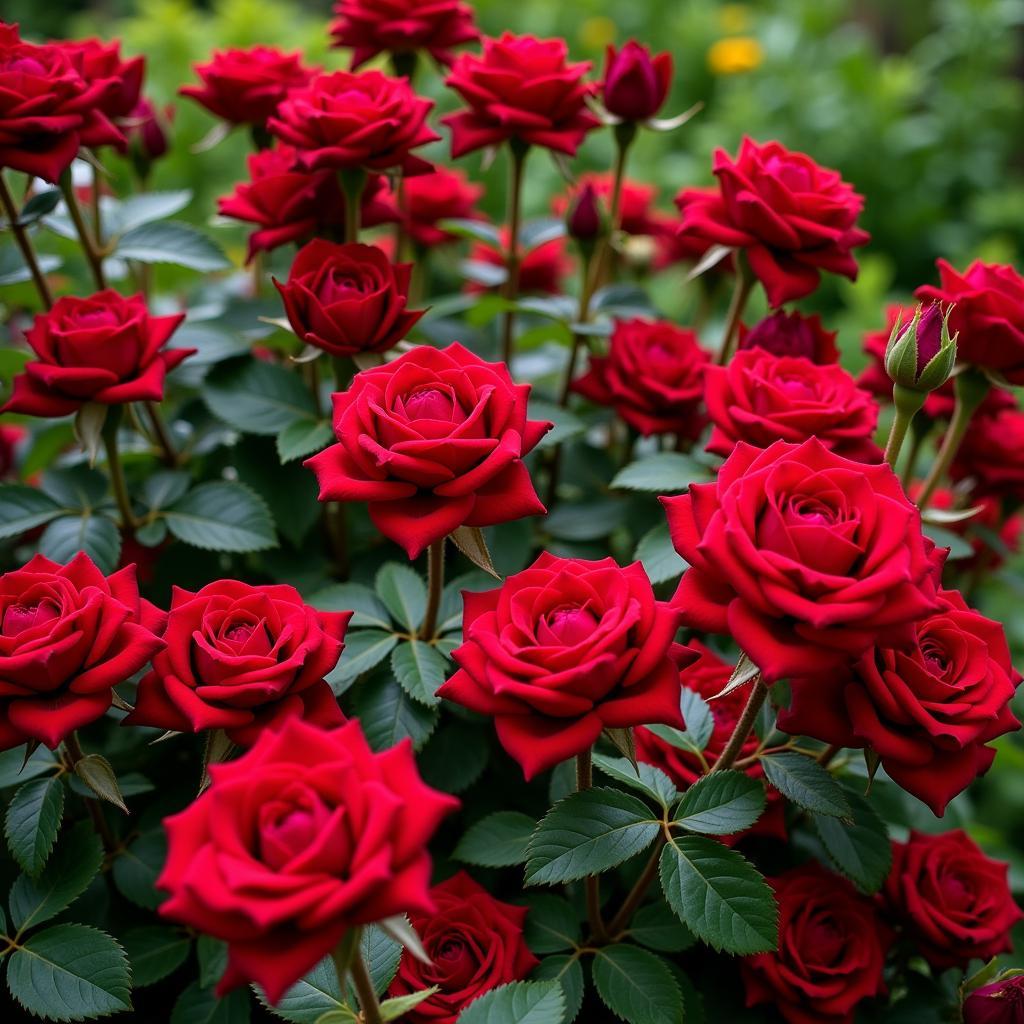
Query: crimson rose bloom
point(68, 634)
point(927, 712)
point(305, 836)
point(242, 659)
point(636, 214)
point(793, 334)
point(105, 349)
point(635, 84)
point(346, 299)
point(761, 398)
point(806, 558)
point(441, 195)
point(541, 271)
point(792, 217)
point(1002, 1002)
point(953, 902)
point(100, 63)
point(475, 943)
point(432, 441)
point(370, 27)
point(991, 456)
point(520, 88)
point(246, 86)
point(653, 377)
point(831, 952)
point(346, 121)
point(563, 650)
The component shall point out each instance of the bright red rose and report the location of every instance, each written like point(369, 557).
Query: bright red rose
point(792, 217)
point(991, 456)
point(806, 558)
point(432, 441)
point(1002, 1002)
point(761, 398)
point(100, 63)
point(68, 635)
point(563, 650)
point(927, 712)
point(831, 953)
point(475, 943)
point(541, 271)
point(636, 214)
point(635, 83)
point(523, 89)
point(443, 194)
point(347, 299)
point(242, 659)
point(346, 121)
point(369, 27)
point(104, 349)
point(792, 334)
point(305, 836)
point(988, 311)
point(653, 377)
point(952, 901)
point(246, 86)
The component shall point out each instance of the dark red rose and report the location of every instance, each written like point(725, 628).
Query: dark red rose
point(246, 86)
point(792, 217)
point(653, 377)
point(47, 110)
point(100, 64)
point(475, 943)
point(11, 436)
point(520, 88)
point(761, 398)
point(369, 27)
point(305, 836)
point(443, 194)
point(542, 270)
point(635, 83)
point(988, 311)
point(831, 953)
point(346, 121)
point(806, 558)
point(147, 129)
point(991, 456)
point(708, 676)
point(952, 901)
point(674, 246)
point(346, 299)
point(927, 712)
point(563, 650)
point(68, 635)
point(585, 216)
point(1002, 1002)
point(792, 334)
point(105, 349)
point(242, 659)
point(432, 441)
point(636, 214)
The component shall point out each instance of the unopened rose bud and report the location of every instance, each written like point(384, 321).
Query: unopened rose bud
point(585, 220)
point(635, 84)
point(147, 128)
point(921, 356)
point(1002, 1002)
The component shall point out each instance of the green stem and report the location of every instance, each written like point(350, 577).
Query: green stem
point(624, 136)
point(115, 469)
point(73, 754)
point(907, 404)
point(919, 430)
point(510, 290)
point(639, 890)
point(592, 883)
point(90, 249)
point(97, 211)
point(747, 719)
point(367, 994)
point(24, 243)
point(169, 452)
point(352, 184)
point(740, 294)
point(435, 587)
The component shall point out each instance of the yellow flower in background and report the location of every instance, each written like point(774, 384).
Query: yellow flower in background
point(735, 55)
point(734, 18)
point(596, 33)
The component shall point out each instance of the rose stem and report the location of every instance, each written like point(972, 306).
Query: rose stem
point(97, 212)
point(639, 890)
point(919, 430)
point(364, 989)
point(90, 248)
point(163, 435)
point(625, 133)
point(352, 182)
point(28, 253)
point(584, 780)
point(740, 294)
point(907, 403)
point(73, 750)
point(435, 586)
point(510, 289)
point(115, 470)
point(743, 726)
point(826, 756)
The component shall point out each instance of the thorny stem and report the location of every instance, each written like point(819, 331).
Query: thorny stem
point(90, 247)
point(510, 289)
point(592, 883)
point(21, 237)
point(435, 587)
point(115, 469)
point(747, 719)
point(368, 1003)
point(639, 890)
point(624, 135)
point(73, 753)
point(740, 294)
point(163, 435)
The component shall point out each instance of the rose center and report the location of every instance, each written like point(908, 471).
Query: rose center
point(451, 949)
point(429, 404)
point(19, 617)
point(95, 318)
point(571, 624)
point(286, 830)
point(340, 286)
point(26, 65)
point(796, 387)
point(956, 891)
point(826, 940)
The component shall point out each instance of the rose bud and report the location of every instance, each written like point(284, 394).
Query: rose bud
point(791, 334)
point(585, 219)
point(1002, 1002)
point(635, 84)
point(147, 128)
point(920, 357)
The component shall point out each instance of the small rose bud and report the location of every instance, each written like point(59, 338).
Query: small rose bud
point(920, 356)
point(147, 128)
point(585, 220)
point(635, 84)
point(1002, 1002)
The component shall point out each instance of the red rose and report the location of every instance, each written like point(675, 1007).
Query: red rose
point(432, 441)
point(47, 110)
point(831, 951)
point(708, 676)
point(1002, 1002)
point(806, 558)
point(105, 349)
point(653, 377)
point(369, 27)
point(563, 650)
point(346, 299)
point(636, 216)
point(147, 129)
point(761, 398)
point(952, 901)
point(677, 246)
point(635, 84)
point(792, 217)
point(348, 121)
point(246, 86)
point(541, 271)
point(988, 311)
point(11, 436)
point(520, 88)
point(307, 835)
point(991, 456)
point(100, 63)
point(793, 334)
point(68, 634)
point(242, 659)
point(475, 943)
point(427, 199)
point(927, 712)
point(987, 522)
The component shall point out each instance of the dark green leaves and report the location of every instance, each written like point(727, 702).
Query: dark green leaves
point(24, 508)
point(522, 1002)
point(497, 841)
point(420, 670)
point(859, 849)
point(363, 650)
point(644, 778)
point(403, 593)
point(171, 242)
point(222, 516)
point(662, 473)
point(200, 1006)
point(389, 715)
point(660, 559)
point(721, 804)
point(801, 779)
point(637, 986)
point(258, 397)
point(154, 951)
point(33, 818)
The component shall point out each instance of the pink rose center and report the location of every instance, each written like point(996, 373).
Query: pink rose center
point(245, 638)
point(809, 512)
point(19, 617)
point(429, 404)
point(571, 624)
point(340, 285)
point(95, 318)
point(793, 175)
point(26, 65)
point(796, 387)
point(934, 658)
point(285, 831)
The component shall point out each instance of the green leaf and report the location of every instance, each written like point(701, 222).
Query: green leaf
point(568, 972)
point(70, 972)
point(200, 1006)
point(137, 868)
point(76, 488)
point(258, 397)
point(222, 516)
point(164, 488)
point(14, 270)
point(310, 998)
point(496, 841)
point(155, 952)
point(470, 540)
point(566, 424)
point(96, 535)
point(645, 778)
point(367, 609)
point(403, 593)
point(637, 986)
point(23, 509)
point(586, 833)
point(660, 560)
point(521, 1002)
point(449, 615)
point(303, 438)
point(171, 242)
point(959, 547)
point(655, 926)
point(98, 774)
point(719, 896)
point(32, 822)
point(552, 923)
point(16, 768)
point(212, 955)
point(721, 804)
point(801, 779)
point(477, 230)
point(540, 230)
point(389, 715)
point(39, 206)
point(662, 473)
point(147, 207)
point(586, 520)
point(363, 649)
point(859, 849)
point(456, 755)
point(420, 670)
point(392, 1009)
point(381, 954)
